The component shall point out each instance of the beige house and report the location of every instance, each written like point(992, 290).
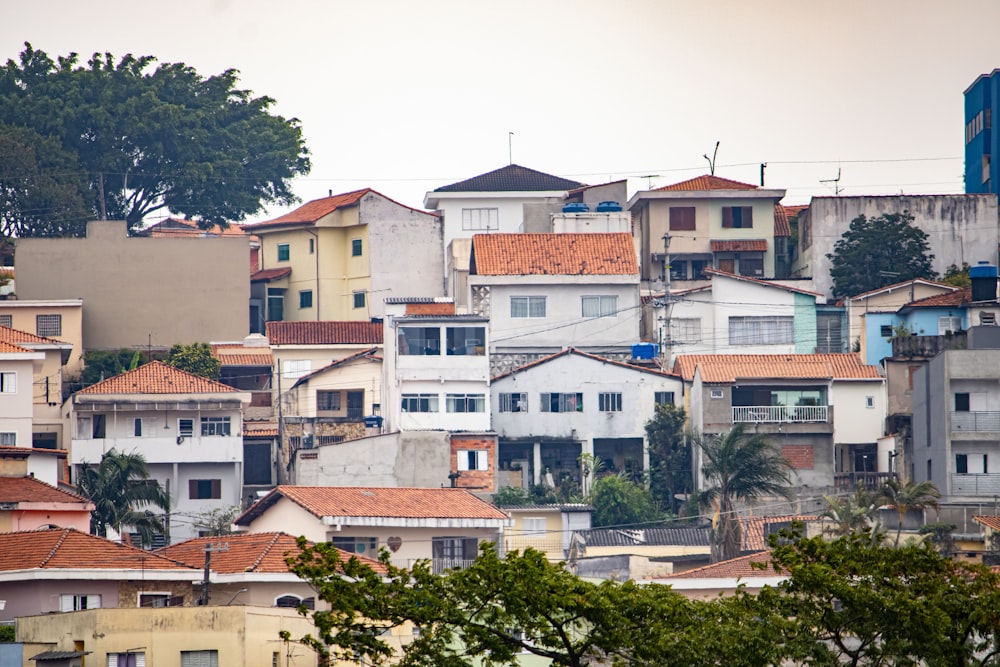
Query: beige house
point(54, 320)
point(134, 292)
point(545, 528)
point(18, 368)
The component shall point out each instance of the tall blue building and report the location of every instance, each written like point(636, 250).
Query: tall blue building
point(982, 152)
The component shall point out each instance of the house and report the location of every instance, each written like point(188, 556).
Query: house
point(442, 524)
point(544, 292)
point(545, 528)
point(56, 322)
point(638, 552)
point(124, 317)
point(27, 503)
point(189, 430)
point(18, 368)
point(825, 412)
point(708, 222)
point(338, 257)
point(550, 412)
point(960, 229)
point(63, 569)
point(749, 573)
point(981, 159)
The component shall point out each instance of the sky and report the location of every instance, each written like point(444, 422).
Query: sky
point(406, 96)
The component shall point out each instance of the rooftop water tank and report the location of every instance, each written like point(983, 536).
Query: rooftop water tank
point(609, 207)
point(644, 350)
point(984, 281)
point(575, 207)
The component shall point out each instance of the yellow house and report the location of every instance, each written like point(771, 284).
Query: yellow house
point(60, 321)
point(545, 528)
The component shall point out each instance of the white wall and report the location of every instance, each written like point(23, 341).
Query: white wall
point(16, 406)
point(853, 421)
point(509, 207)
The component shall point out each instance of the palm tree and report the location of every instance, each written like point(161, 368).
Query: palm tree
point(738, 467)
point(123, 494)
point(906, 496)
point(852, 514)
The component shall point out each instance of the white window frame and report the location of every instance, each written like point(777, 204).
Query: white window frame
point(473, 459)
point(207, 658)
point(565, 401)
point(472, 403)
point(514, 402)
point(533, 526)
point(599, 305)
point(948, 324)
point(216, 426)
point(140, 658)
point(157, 595)
point(432, 401)
point(359, 300)
point(8, 439)
point(480, 219)
point(533, 307)
point(609, 401)
point(685, 329)
point(658, 395)
point(78, 601)
point(7, 321)
point(762, 330)
point(8, 383)
point(185, 427)
point(293, 369)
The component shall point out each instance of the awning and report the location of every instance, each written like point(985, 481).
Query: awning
point(748, 245)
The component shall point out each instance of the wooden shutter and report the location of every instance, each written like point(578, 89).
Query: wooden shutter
point(216, 488)
point(727, 216)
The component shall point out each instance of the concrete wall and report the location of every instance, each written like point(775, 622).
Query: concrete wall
point(960, 228)
point(16, 406)
point(135, 291)
point(853, 421)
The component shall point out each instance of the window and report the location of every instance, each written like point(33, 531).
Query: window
point(514, 402)
point(678, 269)
point(312, 246)
point(356, 247)
point(359, 299)
point(533, 526)
point(949, 325)
point(685, 329)
point(869, 401)
point(356, 545)
point(473, 459)
point(961, 464)
point(682, 218)
point(599, 306)
point(306, 299)
point(885, 331)
point(129, 659)
point(716, 393)
point(185, 427)
point(450, 552)
point(562, 402)
point(100, 426)
point(988, 319)
point(328, 400)
point(283, 252)
point(466, 341)
point(204, 489)
point(663, 398)
point(420, 403)
point(465, 403)
point(962, 402)
point(154, 599)
point(215, 426)
point(698, 267)
point(752, 265)
point(137, 427)
point(275, 304)
point(8, 383)
point(199, 658)
point(293, 369)
point(48, 325)
point(480, 219)
point(8, 439)
point(527, 306)
point(78, 602)
point(766, 330)
point(6, 321)
point(419, 341)
point(737, 217)
point(609, 402)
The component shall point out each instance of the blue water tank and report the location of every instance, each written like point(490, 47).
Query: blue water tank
point(983, 270)
point(983, 277)
point(644, 350)
point(575, 207)
point(609, 207)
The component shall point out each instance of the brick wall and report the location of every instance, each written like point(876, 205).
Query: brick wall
point(479, 480)
point(430, 308)
point(800, 456)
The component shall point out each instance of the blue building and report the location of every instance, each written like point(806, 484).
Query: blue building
point(981, 148)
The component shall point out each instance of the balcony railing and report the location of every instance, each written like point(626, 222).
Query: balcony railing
point(852, 481)
point(770, 414)
point(975, 485)
point(975, 421)
point(438, 565)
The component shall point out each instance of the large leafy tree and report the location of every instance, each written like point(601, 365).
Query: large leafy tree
point(906, 496)
point(879, 251)
point(855, 513)
point(123, 494)
point(195, 358)
point(670, 473)
point(738, 467)
point(148, 137)
point(618, 501)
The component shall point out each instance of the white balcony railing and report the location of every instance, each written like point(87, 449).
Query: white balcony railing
point(987, 485)
point(975, 421)
point(774, 414)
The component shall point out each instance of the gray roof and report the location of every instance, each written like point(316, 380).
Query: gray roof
point(512, 178)
point(628, 537)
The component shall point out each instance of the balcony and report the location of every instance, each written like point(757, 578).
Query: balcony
point(985, 485)
point(988, 422)
point(927, 346)
point(852, 481)
point(778, 414)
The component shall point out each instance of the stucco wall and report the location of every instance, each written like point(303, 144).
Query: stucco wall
point(412, 458)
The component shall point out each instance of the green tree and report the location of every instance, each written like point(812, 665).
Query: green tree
point(42, 192)
point(122, 492)
point(618, 501)
point(879, 251)
point(669, 456)
point(195, 358)
point(957, 277)
point(906, 496)
point(738, 467)
point(855, 513)
point(103, 364)
point(513, 496)
point(216, 522)
point(149, 138)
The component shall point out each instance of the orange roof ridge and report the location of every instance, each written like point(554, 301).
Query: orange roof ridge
point(566, 254)
point(708, 182)
point(157, 377)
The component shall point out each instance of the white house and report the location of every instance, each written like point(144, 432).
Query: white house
point(17, 368)
point(548, 413)
point(545, 292)
point(189, 430)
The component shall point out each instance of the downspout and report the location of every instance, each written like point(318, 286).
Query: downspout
point(316, 236)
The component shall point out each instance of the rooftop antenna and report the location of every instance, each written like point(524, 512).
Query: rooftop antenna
point(836, 183)
point(711, 160)
point(510, 148)
point(649, 180)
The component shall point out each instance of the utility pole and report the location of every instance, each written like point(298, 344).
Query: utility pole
point(209, 549)
point(665, 341)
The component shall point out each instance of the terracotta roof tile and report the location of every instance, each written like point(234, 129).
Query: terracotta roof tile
point(270, 274)
point(29, 489)
point(394, 502)
point(66, 548)
point(553, 254)
point(954, 299)
point(708, 182)
point(157, 377)
point(259, 431)
point(17, 337)
point(757, 528)
point(233, 354)
point(512, 178)
point(740, 567)
point(992, 522)
point(312, 211)
point(324, 333)
point(177, 227)
point(781, 225)
point(736, 245)
point(727, 368)
point(10, 348)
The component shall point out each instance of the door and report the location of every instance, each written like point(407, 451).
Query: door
point(355, 404)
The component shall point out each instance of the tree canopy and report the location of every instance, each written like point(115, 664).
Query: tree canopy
point(123, 493)
point(618, 501)
point(879, 251)
point(669, 457)
point(145, 137)
point(195, 358)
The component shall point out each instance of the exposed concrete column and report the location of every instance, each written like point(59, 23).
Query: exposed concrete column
point(536, 463)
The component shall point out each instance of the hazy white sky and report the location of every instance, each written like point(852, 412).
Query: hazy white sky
point(405, 96)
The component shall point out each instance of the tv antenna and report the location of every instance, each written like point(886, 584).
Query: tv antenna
point(711, 160)
point(649, 180)
point(510, 148)
point(836, 183)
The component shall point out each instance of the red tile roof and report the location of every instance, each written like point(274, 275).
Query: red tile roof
point(727, 368)
point(781, 217)
point(992, 522)
point(270, 274)
point(740, 567)
point(18, 337)
point(66, 548)
point(177, 227)
point(157, 377)
point(553, 254)
point(394, 502)
point(954, 299)
point(324, 333)
point(312, 211)
point(747, 245)
point(708, 182)
point(233, 354)
point(259, 432)
point(11, 348)
point(31, 490)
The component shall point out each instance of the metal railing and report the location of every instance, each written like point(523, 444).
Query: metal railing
point(852, 481)
point(975, 421)
point(758, 414)
point(975, 485)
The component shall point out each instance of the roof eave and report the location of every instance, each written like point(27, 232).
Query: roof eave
point(774, 194)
